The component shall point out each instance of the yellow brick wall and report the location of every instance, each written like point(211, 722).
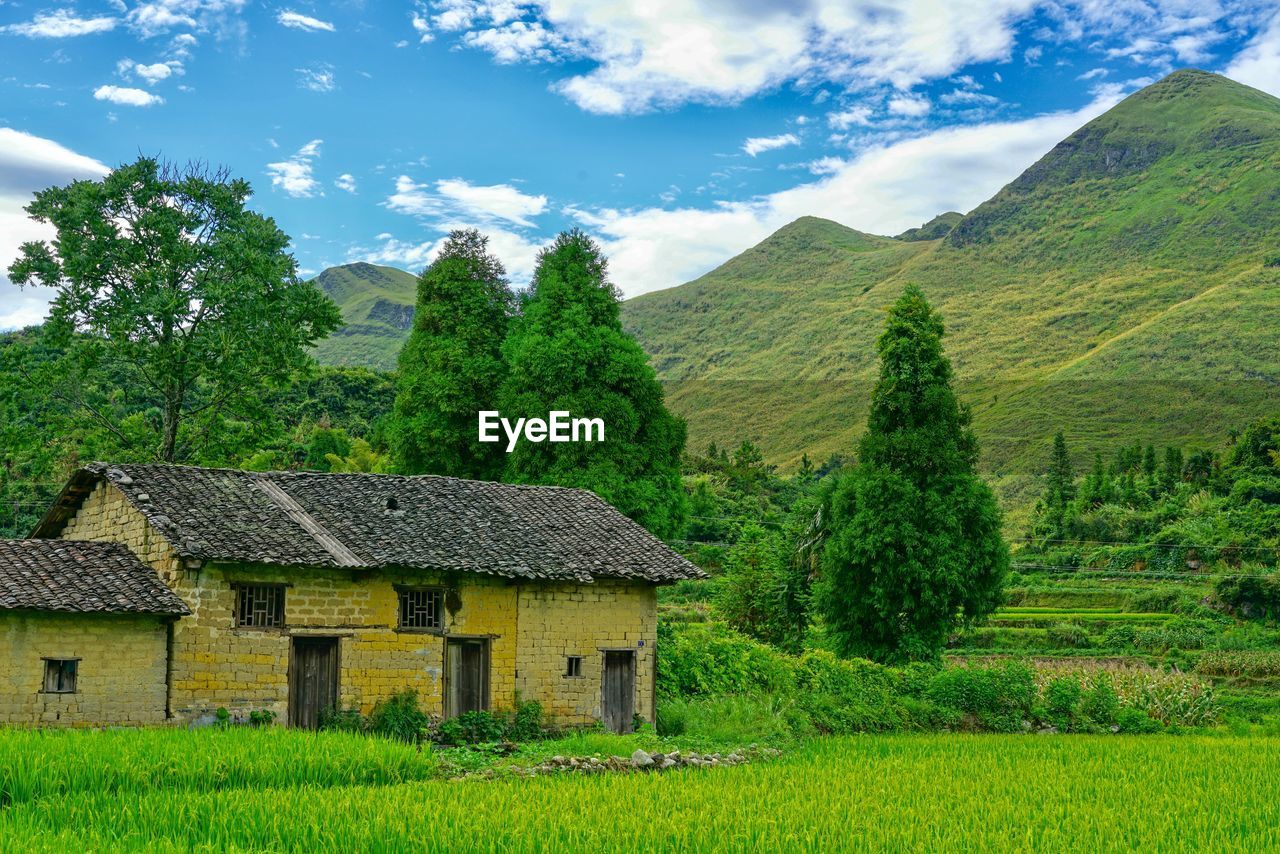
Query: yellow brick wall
point(532, 628)
point(121, 673)
point(217, 664)
point(560, 620)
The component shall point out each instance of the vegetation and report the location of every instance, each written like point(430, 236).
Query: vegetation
point(914, 538)
point(870, 792)
point(377, 305)
point(1105, 301)
point(567, 351)
point(451, 367)
point(165, 279)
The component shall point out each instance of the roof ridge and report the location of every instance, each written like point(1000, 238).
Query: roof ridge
point(295, 511)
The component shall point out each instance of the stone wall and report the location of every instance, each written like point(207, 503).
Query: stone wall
point(120, 674)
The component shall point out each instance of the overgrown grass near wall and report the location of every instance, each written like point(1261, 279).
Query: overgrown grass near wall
point(953, 793)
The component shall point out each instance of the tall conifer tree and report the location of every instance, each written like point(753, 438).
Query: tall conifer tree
point(451, 366)
point(914, 545)
point(568, 351)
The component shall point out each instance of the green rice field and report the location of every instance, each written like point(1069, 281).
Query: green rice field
point(179, 791)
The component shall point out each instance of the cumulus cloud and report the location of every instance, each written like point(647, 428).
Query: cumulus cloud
point(61, 24)
point(911, 106)
point(153, 18)
point(298, 21)
point(518, 253)
point(29, 163)
point(842, 120)
point(294, 176)
point(126, 96)
point(1258, 65)
point(346, 182)
point(760, 144)
point(454, 198)
point(883, 190)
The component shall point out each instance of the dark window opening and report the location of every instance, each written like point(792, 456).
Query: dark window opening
point(422, 609)
point(573, 666)
point(392, 504)
point(260, 606)
point(60, 675)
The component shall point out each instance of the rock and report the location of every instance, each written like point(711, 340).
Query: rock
point(667, 762)
point(640, 759)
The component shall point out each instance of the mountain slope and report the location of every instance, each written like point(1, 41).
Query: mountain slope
point(377, 311)
point(1120, 290)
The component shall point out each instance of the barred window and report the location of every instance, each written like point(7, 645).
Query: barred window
point(573, 666)
point(259, 606)
point(421, 609)
point(60, 675)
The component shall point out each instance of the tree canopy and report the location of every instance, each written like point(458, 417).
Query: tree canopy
point(166, 283)
point(568, 351)
point(451, 366)
point(914, 545)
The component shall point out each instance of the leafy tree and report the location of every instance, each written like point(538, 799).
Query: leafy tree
point(763, 590)
point(568, 351)
point(451, 366)
point(166, 282)
point(1171, 471)
point(914, 543)
point(1059, 491)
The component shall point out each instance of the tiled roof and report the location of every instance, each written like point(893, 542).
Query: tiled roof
point(71, 575)
point(379, 520)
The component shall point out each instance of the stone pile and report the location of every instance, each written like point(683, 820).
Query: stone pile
point(644, 761)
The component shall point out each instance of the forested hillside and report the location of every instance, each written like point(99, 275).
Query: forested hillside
point(1121, 290)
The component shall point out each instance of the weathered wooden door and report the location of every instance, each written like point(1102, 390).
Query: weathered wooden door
point(467, 676)
point(313, 680)
point(619, 690)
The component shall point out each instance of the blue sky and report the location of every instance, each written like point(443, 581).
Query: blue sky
point(680, 133)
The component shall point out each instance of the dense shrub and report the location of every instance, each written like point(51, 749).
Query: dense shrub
point(1251, 595)
point(399, 717)
point(712, 659)
point(997, 698)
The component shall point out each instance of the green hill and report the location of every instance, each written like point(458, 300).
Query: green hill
point(377, 310)
point(1124, 288)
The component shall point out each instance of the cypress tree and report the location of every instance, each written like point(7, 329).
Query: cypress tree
point(1060, 486)
point(568, 351)
point(451, 365)
point(914, 545)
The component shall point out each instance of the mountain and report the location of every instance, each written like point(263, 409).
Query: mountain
point(1125, 287)
point(377, 311)
point(939, 226)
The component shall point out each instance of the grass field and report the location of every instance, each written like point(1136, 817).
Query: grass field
point(942, 792)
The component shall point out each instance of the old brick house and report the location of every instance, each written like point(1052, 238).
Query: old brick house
point(296, 592)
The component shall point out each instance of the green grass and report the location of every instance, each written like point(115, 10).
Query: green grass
point(937, 793)
point(377, 312)
point(1115, 301)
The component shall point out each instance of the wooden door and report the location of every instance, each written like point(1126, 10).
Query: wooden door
point(467, 676)
point(619, 690)
point(313, 680)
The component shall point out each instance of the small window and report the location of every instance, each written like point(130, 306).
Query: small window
point(421, 609)
point(573, 666)
point(60, 675)
point(260, 606)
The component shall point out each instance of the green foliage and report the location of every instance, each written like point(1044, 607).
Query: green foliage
point(399, 717)
point(477, 727)
point(165, 279)
point(451, 367)
point(377, 305)
point(914, 543)
point(1251, 595)
point(763, 589)
point(568, 352)
point(997, 698)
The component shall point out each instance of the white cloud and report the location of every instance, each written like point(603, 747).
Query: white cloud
point(27, 164)
point(760, 144)
point(911, 106)
point(61, 24)
point(298, 21)
point(422, 27)
point(157, 17)
point(158, 71)
point(317, 78)
point(845, 119)
point(518, 253)
point(294, 176)
point(884, 190)
point(127, 96)
point(454, 198)
point(346, 182)
point(1258, 65)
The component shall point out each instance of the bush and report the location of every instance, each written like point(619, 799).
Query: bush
point(473, 728)
point(1132, 720)
point(1101, 703)
point(399, 717)
point(713, 659)
point(526, 722)
point(997, 698)
point(1068, 636)
point(1123, 636)
point(1251, 596)
point(1062, 702)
